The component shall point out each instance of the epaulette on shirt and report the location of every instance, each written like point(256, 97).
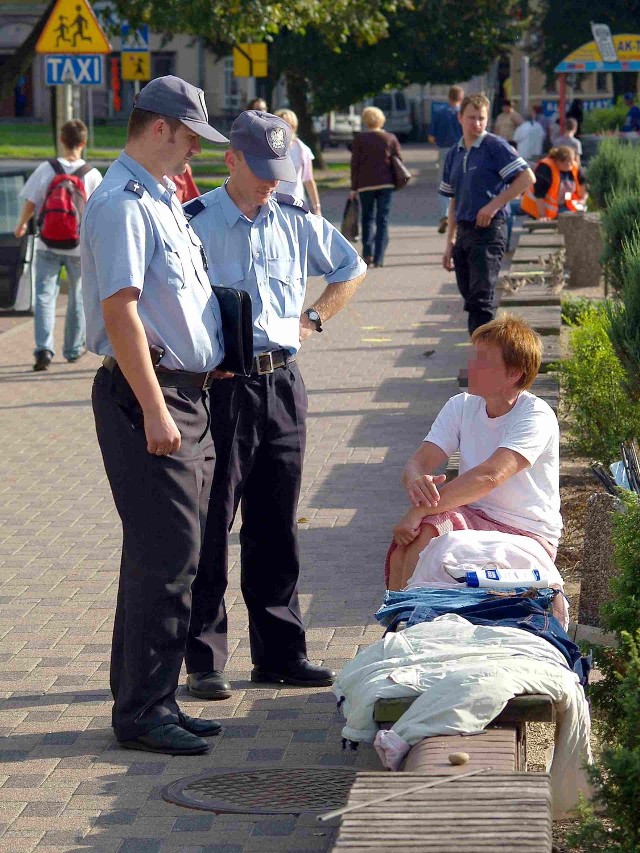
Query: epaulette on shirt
point(193, 208)
point(292, 200)
point(135, 187)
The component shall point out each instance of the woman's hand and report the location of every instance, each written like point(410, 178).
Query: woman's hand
point(424, 490)
point(404, 532)
point(352, 195)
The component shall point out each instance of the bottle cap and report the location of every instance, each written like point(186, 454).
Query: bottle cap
point(472, 579)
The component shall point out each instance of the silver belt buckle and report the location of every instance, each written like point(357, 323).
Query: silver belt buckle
point(265, 358)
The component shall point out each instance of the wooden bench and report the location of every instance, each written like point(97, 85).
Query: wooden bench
point(487, 813)
point(541, 240)
point(531, 225)
point(530, 294)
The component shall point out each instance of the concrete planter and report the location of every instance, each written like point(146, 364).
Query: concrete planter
point(583, 242)
point(597, 564)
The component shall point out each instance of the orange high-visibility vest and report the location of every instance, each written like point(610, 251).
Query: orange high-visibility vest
point(551, 200)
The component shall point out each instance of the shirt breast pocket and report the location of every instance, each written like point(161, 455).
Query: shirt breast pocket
point(225, 274)
point(175, 271)
point(286, 285)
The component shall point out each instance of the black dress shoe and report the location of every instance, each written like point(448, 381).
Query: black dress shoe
point(300, 673)
point(196, 726)
point(169, 739)
point(208, 685)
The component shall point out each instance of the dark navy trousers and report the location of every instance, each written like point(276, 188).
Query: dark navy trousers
point(258, 425)
point(477, 255)
point(162, 502)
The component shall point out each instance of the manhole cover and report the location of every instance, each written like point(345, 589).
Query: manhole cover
point(266, 791)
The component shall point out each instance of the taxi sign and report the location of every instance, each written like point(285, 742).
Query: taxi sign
point(72, 27)
point(250, 60)
point(79, 70)
point(135, 65)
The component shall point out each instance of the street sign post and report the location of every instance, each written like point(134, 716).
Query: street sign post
point(72, 27)
point(79, 70)
point(250, 60)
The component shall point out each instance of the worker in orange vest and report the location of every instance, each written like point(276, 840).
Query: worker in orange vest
point(560, 186)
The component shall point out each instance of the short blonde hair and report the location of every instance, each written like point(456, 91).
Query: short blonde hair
point(373, 117)
point(478, 100)
point(520, 346)
point(290, 117)
point(562, 153)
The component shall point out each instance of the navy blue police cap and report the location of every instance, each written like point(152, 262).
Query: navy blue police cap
point(171, 96)
point(264, 139)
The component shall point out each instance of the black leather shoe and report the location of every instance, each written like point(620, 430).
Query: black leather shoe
point(208, 685)
point(196, 726)
point(43, 360)
point(300, 673)
point(169, 739)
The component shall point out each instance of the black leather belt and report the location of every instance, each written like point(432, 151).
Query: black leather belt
point(267, 362)
point(171, 378)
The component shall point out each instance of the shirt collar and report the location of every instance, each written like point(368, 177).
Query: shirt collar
point(232, 212)
point(155, 188)
point(476, 144)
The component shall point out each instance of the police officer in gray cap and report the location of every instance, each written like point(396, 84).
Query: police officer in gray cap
point(152, 315)
point(267, 244)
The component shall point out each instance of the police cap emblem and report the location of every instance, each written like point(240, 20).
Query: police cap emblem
point(277, 140)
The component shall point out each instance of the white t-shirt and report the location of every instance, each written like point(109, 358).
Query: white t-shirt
point(530, 500)
point(37, 185)
point(529, 139)
point(302, 157)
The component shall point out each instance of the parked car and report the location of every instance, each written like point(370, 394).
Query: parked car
point(17, 279)
point(397, 109)
point(338, 127)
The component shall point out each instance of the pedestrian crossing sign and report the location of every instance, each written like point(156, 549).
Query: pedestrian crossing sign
point(72, 27)
point(135, 65)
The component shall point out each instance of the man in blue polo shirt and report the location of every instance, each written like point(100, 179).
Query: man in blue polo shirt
point(482, 174)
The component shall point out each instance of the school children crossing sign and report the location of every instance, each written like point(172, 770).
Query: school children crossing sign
point(72, 28)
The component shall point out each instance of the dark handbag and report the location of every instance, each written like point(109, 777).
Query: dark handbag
point(237, 329)
point(401, 175)
point(351, 219)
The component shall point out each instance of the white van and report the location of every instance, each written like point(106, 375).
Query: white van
point(338, 127)
point(397, 109)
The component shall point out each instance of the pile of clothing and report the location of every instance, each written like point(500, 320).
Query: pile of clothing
point(464, 653)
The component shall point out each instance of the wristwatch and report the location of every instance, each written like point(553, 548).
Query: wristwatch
point(315, 318)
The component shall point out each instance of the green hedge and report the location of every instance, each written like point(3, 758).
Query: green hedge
point(624, 315)
point(593, 384)
point(620, 221)
point(607, 119)
point(614, 171)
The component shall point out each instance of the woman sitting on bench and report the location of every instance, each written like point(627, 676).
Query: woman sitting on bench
point(508, 440)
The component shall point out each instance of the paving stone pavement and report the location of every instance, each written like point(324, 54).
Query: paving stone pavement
point(64, 784)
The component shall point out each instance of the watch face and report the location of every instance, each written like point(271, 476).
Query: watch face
point(313, 315)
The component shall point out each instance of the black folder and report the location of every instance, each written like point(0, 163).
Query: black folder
point(237, 329)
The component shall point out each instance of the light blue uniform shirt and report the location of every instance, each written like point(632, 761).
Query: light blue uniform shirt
point(128, 240)
point(271, 257)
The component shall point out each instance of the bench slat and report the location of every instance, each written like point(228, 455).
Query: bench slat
point(535, 707)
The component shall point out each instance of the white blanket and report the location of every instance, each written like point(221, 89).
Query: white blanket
point(475, 548)
point(463, 676)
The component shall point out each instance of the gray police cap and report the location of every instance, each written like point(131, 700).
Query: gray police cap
point(173, 97)
point(264, 139)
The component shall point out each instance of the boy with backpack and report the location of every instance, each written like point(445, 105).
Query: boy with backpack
point(56, 193)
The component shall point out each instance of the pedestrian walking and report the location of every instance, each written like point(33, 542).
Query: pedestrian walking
point(529, 139)
point(59, 205)
point(445, 132)
point(266, 244)
point(303, 158)
point(152, 315)
point(372, 181)
point(507, 121)
point(482, 174)
point(568, 139)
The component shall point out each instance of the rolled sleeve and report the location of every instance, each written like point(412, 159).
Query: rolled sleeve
point(330, 254)
point(120, 237)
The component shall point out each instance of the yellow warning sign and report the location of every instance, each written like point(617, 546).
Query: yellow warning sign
point(250, 60)
point(72, 28)
point(135, 65)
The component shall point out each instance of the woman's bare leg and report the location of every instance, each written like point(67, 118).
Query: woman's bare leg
point(405, 557)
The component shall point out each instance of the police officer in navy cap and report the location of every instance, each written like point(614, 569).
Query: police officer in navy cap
point(267, 244)
point(152, 315)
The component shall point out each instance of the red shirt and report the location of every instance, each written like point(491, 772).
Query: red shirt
point(186, 188)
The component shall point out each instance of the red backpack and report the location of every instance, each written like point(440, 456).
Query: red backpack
point(62, 209)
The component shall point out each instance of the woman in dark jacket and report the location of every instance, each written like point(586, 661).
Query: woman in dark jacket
point(372, 180)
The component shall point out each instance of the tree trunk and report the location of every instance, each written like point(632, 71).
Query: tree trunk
point(297, 91)
point(22, 59)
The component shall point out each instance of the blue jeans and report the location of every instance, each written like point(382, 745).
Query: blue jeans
point(374, 244)
point(48, 266)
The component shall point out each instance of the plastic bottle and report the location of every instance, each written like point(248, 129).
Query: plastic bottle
point(491, 577)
